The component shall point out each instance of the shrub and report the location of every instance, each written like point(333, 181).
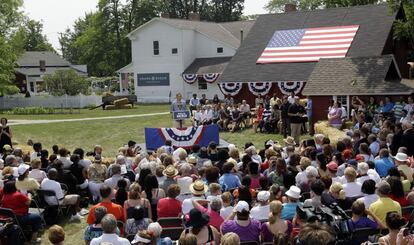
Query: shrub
point(30, 111)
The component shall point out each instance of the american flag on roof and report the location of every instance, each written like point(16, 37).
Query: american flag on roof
point(308, 45)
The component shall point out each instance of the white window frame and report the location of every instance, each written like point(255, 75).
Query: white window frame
point(335, 98)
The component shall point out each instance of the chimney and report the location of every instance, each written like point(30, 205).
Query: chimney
point(290, 7)
point(194, 16)
point(42, 65)
point(241, 35)
point(165, 15)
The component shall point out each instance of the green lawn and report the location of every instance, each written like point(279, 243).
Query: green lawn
point(111, 134)
point(84, 113)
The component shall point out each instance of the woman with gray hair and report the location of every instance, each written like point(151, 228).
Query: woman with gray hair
point(109, 235)
point(152, 236)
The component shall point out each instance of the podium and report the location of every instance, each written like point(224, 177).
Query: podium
point(180, 116)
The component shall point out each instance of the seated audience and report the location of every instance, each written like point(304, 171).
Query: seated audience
point(384, 204)
point(169, 206)
point(197, 224)
point(261, 211)
point(137, 222)
point(246, 228)
point(56, 235)
point(114, 209)
point(276, 225)
point(109, 236)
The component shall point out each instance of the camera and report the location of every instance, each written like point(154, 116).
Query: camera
point(332, 216)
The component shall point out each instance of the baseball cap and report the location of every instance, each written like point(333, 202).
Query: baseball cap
point(359, 157)
point(333, 166)
point(242, 206)
point(22, 169)
point(263, 196)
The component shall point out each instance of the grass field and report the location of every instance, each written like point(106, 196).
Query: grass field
point(111, 134)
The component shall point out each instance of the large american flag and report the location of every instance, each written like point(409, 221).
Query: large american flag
point(307, 45)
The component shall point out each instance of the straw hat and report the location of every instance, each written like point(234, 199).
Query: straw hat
point(198, 187)
point(170, 171)
point(192, 160)
point(290, 141)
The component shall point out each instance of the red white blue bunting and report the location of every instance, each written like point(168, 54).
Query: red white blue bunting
point(189, 78)
point(211, 77)
point(260, 88)
point(230, 89)
point(290, 86)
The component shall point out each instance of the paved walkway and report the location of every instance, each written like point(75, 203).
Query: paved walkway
point(29, 122)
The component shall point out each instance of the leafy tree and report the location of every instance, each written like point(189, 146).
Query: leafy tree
point(29, 37)
point(278, 5)
point(10, 16)
point(404, 29)
point(7, 63)
point(66, 82)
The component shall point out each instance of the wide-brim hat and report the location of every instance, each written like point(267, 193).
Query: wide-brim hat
point(170, 171)
point(293, 192)
point(198, 188)
point(401, 157)
point(22, 169)
point(7, 148)
point(197, 219)
point(192, 160)
point(289, 140)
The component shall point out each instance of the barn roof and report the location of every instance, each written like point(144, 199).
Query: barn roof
point(207, 65)
point(356, 76)
point(375, 24)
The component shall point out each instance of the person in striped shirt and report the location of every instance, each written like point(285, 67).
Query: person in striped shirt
point(398, 107)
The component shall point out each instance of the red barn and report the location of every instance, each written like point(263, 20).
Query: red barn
point(373, 64)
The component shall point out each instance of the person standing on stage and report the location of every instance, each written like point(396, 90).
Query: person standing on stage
point(178, 105)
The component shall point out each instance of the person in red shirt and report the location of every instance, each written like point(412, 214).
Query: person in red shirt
point(106, 202)
point(169, 206)
point(259, 117)
point(19, 203)
point(214, 212)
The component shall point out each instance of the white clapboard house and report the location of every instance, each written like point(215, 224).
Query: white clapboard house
point(175, 55)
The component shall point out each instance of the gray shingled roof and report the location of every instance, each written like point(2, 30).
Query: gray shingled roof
point(207, 65)
point(375, 25)
point(228, 33)
point(32, 58)
point(49, 70)
point(356, 76)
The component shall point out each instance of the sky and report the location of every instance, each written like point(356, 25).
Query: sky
point(57, 15)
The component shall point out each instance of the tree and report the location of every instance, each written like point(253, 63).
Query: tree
point(10, 16)
point(224, 10)
point(66, 82)
point(278, 5)
point(404, 29)
point(7, 63)
point(29, 37)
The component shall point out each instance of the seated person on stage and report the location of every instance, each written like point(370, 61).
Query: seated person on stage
point(198, 116)
point(245, 111)
point(237, 118)
point(208, 115)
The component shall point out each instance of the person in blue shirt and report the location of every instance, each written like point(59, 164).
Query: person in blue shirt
point(289, 208)
point(309, 105)
point(388, 106)
point(229, 180)
point(384, 163)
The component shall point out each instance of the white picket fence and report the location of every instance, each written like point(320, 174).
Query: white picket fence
point(48, 101)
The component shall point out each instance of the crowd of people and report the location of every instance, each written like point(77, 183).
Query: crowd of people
point(223, 196)
point(285, 115)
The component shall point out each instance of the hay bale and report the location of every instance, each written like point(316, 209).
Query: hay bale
point(110, 107)
point(128, 106)
point(332, 133)
point(121, 102)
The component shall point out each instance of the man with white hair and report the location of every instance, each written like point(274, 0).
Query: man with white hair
point(115, 177)
point(109, 236)
point(362, 170)
point(261, 211)
point(245, 112)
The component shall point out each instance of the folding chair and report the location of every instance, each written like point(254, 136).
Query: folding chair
point(170, 222)
point(249, 243)
point(9, 214)
point(362, 234)
point(49, 193)
point(172, 232)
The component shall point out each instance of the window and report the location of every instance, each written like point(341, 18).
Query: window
point(202, 84)
point(220, 50)
point(156, 47)
point(174, 51)
point(343, 99)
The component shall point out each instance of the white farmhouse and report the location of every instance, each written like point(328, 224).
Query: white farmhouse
point(164, 49)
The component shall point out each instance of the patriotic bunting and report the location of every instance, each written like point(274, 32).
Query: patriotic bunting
point(290, 86)
point(231, 89)
point(260, 88)
point(211, 77)
point(190, 78)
